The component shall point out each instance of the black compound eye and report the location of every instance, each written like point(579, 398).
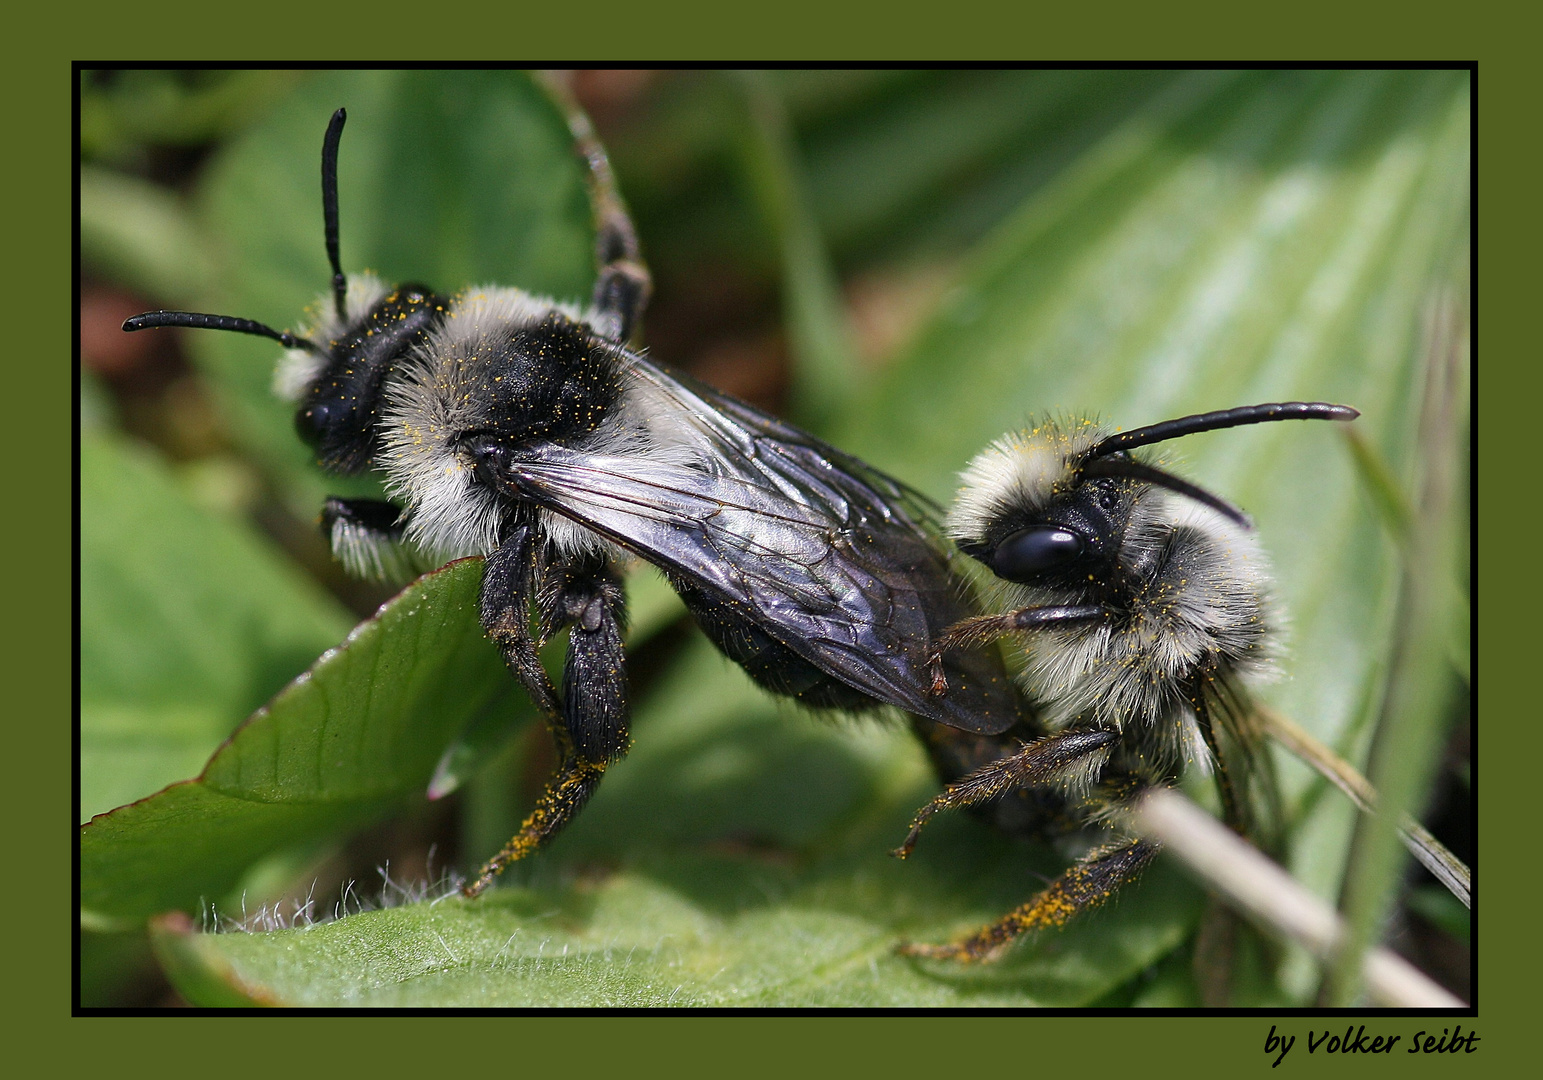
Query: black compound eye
point(313, 422)
point(1028, 553)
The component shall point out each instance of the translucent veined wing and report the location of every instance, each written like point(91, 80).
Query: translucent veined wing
point(830, 557)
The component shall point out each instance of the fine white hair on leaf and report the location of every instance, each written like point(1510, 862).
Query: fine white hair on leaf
point(303, 912)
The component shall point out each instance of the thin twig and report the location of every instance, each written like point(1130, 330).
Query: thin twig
point(1264, 891)
point(1432, 854)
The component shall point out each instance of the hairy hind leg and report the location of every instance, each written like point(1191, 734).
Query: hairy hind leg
point(590, 723)
point(1065, 757)
point(1089, 882)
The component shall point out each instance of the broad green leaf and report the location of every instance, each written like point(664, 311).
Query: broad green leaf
point(939, 158)
point(736, 857)
point(188, 622)
point(646, 937)
point(359, 732)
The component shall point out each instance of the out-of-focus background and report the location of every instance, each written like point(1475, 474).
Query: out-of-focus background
point(907, 263)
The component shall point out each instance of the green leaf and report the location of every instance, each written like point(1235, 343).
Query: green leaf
point(639, 939)
point(935, 161)
point(358, 733)
point(734, 858)
point(188, 622)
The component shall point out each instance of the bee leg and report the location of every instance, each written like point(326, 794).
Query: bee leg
point(1090, 881)
point(622, 284)
point(1232, 807)
point(983, 629)
point(1073, 756)
point(566, 793)
point(590, 724)
point(505, 604)
point(366, 537)
point(591, 601)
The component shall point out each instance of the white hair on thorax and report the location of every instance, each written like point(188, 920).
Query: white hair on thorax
point(432, 401)
point(436, 397)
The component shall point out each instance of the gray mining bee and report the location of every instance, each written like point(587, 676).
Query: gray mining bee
point(527, 431)
point(1143, 605)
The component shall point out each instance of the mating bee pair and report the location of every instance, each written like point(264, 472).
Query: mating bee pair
point(528, 431)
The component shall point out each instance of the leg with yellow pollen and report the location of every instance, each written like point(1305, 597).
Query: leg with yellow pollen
point(1089, 882)
point(1060, 757)
point(565, 796)
point(589, 723)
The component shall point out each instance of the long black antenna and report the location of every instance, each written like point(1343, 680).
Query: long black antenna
point(1098, 461)
point(1226, 418)
point(329, 209)
point(1151, 474)
point(198, 321)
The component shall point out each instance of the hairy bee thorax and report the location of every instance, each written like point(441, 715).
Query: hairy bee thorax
point(504, 368)
point(511, 372)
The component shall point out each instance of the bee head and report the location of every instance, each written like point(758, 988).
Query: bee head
point(1051, 506)
point(335, 372)
point(1029, 512)
point(339, 399)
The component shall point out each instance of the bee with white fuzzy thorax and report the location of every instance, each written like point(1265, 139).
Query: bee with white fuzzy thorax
point(1142, 602)
point(529, 432)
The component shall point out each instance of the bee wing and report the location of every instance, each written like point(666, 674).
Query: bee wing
point(828, 556)
point(740, 432)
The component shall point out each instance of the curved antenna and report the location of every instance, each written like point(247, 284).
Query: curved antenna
point(1151, 474)
point(329, 209)
point(198, 321)
point(1225, 418)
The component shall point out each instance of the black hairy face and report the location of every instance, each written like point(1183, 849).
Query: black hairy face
point(340, 408)
point(1073, 541)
